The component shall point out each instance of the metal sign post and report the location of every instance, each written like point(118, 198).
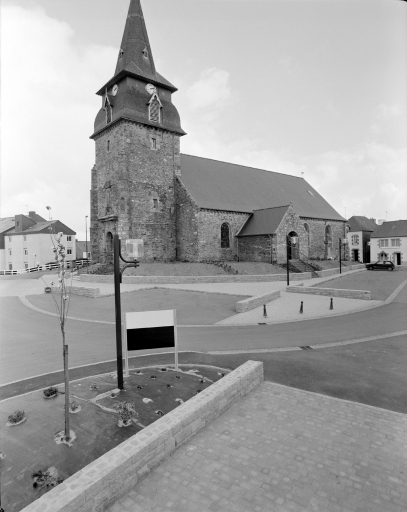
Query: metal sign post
point(117, 303)
point(135, 248)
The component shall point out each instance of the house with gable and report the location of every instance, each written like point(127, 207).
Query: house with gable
point(358, 237)
point(388, 242)
point(28, 243)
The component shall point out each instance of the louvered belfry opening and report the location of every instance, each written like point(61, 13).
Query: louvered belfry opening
point(155, 110)
point(108, 112)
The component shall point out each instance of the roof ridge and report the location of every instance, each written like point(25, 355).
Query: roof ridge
point(272, 207)
point(241, 165)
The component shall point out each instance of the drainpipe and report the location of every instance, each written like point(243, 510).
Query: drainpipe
point(237, 248)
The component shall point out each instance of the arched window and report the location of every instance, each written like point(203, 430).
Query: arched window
point(224, 236)
point(154, 109)
point(306, 227)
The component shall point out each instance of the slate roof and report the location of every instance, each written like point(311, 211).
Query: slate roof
point(135, 57)
point(391, 228)
point(361, 223)
point(6, 223)
point(42, 227)
point(263, 222)
point(216, 185)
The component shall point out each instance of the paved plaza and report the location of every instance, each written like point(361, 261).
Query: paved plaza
point(284, 450)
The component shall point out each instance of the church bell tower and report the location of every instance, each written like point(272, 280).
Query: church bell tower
point(136, 133)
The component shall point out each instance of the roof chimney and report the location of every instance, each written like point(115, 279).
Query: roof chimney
point(31, 215)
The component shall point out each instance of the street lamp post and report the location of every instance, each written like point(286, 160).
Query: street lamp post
point(288, 271)
point(86, 246)
point(341, 244)
point(134, 248)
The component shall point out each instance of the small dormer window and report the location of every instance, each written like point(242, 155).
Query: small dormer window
point(154, 110)
point(145, 53)
point(121, 52)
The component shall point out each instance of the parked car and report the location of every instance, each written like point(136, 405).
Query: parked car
point(380, 265)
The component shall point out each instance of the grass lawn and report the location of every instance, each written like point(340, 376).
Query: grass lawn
point(193, 308)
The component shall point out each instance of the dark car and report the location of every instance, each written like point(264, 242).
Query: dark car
point(380, 265)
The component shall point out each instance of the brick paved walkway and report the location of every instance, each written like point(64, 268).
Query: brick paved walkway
point(284, 450)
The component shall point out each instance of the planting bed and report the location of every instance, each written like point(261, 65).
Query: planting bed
point(30, 447)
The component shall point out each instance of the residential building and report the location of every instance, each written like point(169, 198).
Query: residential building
point(28, 243)
point(6, 225)
point(389, 242)
point(358, 237)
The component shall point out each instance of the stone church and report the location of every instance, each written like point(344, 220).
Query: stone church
point(189, 208)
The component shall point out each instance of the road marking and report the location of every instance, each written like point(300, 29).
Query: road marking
point(319, 345)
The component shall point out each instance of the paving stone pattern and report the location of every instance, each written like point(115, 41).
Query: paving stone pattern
point(284, 450)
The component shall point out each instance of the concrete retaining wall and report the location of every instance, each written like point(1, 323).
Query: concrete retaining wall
point(331, 292)
point(196, 279)
point(254, 302)
point(101, 483)
point(333, 271)
point(80, 290)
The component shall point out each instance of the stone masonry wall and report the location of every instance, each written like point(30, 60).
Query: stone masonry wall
point(331, 292)
point(317, 238)
point(209, 225)
point(133, 189)
point(290, 222)
point(255, 248)
point(187, 224)
point(239, 278)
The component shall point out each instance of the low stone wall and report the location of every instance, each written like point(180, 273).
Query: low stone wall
point(331, 292)
point(80, 290)
point(333, 271)
point(254, 302)
point(266, 278)
point(329, 272)
point(101, 483)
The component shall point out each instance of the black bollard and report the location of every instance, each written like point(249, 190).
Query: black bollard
point(332, 304)
point(264, 311)
point(302, 307)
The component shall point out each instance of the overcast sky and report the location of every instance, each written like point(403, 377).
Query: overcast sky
point(295, 86)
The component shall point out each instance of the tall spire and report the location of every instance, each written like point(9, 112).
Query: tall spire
point(135, 49)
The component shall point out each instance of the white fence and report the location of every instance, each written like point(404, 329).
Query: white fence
point(48, 266)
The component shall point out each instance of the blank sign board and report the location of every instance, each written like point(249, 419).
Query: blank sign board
point(147, 330)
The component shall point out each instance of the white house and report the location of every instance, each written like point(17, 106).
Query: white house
point(358, 237)
point(389, 242)
point(29, 242)
point(6, 225)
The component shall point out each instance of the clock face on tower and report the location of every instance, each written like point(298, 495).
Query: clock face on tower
point(115, 89)
point(150, 89)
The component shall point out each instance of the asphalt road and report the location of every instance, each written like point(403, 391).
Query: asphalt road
point(31, 342)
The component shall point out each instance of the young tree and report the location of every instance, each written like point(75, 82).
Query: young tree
point(62, 306)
